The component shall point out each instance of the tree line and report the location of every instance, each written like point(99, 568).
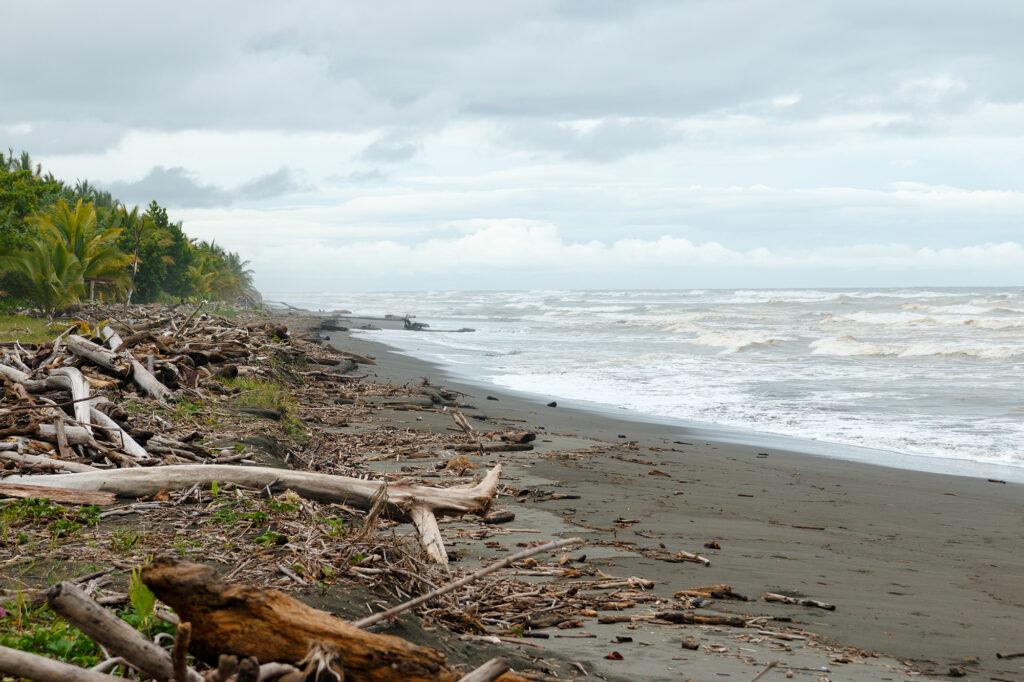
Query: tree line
point(62, 243)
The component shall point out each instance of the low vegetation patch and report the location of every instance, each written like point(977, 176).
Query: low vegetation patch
point(25, 329)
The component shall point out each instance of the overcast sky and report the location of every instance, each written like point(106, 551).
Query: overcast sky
point(594, 144)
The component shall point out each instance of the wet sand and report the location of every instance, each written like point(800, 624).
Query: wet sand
point(922, 567)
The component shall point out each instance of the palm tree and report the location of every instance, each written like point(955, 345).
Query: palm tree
point(46, 273)
point(93, 245)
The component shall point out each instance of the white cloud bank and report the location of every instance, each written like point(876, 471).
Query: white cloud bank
point(515, 254)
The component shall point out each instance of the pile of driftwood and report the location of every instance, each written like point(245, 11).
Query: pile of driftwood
point(80, 447)
point(249, 635)
point(64, 436)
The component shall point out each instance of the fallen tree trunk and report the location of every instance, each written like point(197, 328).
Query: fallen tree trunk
point(415, 503)
point(272, 626)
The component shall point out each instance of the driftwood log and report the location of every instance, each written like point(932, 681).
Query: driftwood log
point(783, 599)
point(418, 504)
point(142, 377)
point(488, 672)
point(31, 667)
point(271, 626)
point(44, 462)
point(112, 632)
point(61, 495)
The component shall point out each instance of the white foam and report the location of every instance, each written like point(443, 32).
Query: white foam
point(848, 346)
point(735, 341)
point(930, 372)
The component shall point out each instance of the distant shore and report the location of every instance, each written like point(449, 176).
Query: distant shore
point(921, 566)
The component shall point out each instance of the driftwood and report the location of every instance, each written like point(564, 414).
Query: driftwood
point(272, 626)
point(99, 355)
point(473, 577)
point(419, 504)
point(112, 632)
point(500, 446)
point(488, 672)
point(783, 599)
point(711, 592)
point(142, 377)
point(40, 669)
point(61, 495)
point(43, 462)
point(700, 619)
point(69, 379)
point(117, 435)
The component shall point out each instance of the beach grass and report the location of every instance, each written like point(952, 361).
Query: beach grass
point(25, 329)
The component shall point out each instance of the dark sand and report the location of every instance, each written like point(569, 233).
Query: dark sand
point(922, 567)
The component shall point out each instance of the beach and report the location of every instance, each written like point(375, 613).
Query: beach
point(921, 567)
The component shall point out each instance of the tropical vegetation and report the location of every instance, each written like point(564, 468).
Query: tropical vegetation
point(62, 243)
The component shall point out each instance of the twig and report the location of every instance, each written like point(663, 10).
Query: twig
point(473, 577)
point(764, 672)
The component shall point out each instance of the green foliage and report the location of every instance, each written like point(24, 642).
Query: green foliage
point(142, 598)
point(219, 274)
point(90, 236)
point(269, 538)
point(63, 522)
point(46, 274)
point(42, 632)
point(145, 254)
point(124, 541)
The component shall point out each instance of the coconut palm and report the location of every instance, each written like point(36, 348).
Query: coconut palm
point(92, 244)
point(46, 273)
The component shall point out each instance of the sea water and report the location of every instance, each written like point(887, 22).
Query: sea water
point(931, 372)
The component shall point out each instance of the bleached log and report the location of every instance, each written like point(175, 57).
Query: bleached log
point(62, 495)
point(99, 355)
point(15, 375)
point(42, 461)
point(22, 664)
point(76, 435)
point(429, 533)
point(783, 599)
point(142, 377)
point(112, 632)
point(325, 487)
point(68, 379)
point(416, 503)
point(488, 672)
point(117, 435)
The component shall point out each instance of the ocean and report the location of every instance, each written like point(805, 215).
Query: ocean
point(936, 373)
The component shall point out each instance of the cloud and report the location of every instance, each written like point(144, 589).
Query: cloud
point(178, 188)
point(602, 141)
point(389, 151)
point(517, 254)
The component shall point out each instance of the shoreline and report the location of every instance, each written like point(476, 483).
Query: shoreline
point(594, 414)
point(920, 565)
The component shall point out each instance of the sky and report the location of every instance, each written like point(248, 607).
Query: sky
point(343, 146)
